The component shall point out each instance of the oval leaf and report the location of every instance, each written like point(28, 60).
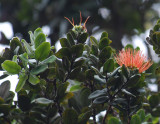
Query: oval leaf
point(11, 67)
point(42, 51)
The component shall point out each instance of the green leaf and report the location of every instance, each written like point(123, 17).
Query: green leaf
point(129, 46)
point(42, 51)
point(100, 100)
point(49, 60)
point(93, 40)
point(39, 69)
point(128, 93)
point(43, 101)
point(70, 39)
point(97, 72)
point(125, 71)
point(133, 80)
point(114, 120)
point(75, 73)
point(39, 39)
point(14, 43)
point(33, 79)
point(154, 100)
point(70, 116)
point(28, 48)
point(64, 42)
point(4, 89)
point(97, 93)
point(31, 37)
point(75, 87)
point(105, 53)
point(77, 50)
point(83, 38)
point(24, 58)
point(141, 114)
point(104, 42)
point(157, 71)
point(63, 52)
point(94, 50)
point(135, 119)
point(37, 32)
point(14, 59)
point(61, 89)
point(103, 35)
point(66, 63)
point(11, 67)
point(84, 117)
point(108, 66)
point(22, 79)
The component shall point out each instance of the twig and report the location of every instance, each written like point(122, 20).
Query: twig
point(107, 111)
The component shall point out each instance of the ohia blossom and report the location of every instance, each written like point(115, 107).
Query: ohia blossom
point(81, 28)
point(133, 59)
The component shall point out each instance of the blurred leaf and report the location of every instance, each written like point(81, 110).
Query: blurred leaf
point(39, 69)
point(82, 38)
point(97, 72)
point(37, 32)
point(129, 46)
point(77, 50)
point(66, 63)
point(93, 40)
point(97, 93)
point(5, 109)
point(61, 89)
point(141, 114)
point(84, 117)
point(75, 73)
point(70, 116)
point(78, 62)
point(125, 71)
point(49, 60)
point(43, 101)
point(64, 42)
point(90, 74)
point(100, 100)
point(63, 52)
point(133, 80)
point(108, 66)
point(104, 42)
point(3, 76)
point(94, 50)
point(128, 93)
point(104, 35)
point(135, 119)
point(33, 79)
point(75, 87)
point(14, 43)
point(114, 120)
point(22, 79)
point(23, 101)
point(70, 39)
point(39, 39)
point(105, 53)
point(157, 71)
point(11, 67)
point(4, 89)
point(42, 51)
point(154, 100)
point(28, 48)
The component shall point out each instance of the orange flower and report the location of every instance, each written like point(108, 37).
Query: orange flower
point(133, 59)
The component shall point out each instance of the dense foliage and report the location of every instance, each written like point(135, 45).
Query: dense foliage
point(75, 83)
